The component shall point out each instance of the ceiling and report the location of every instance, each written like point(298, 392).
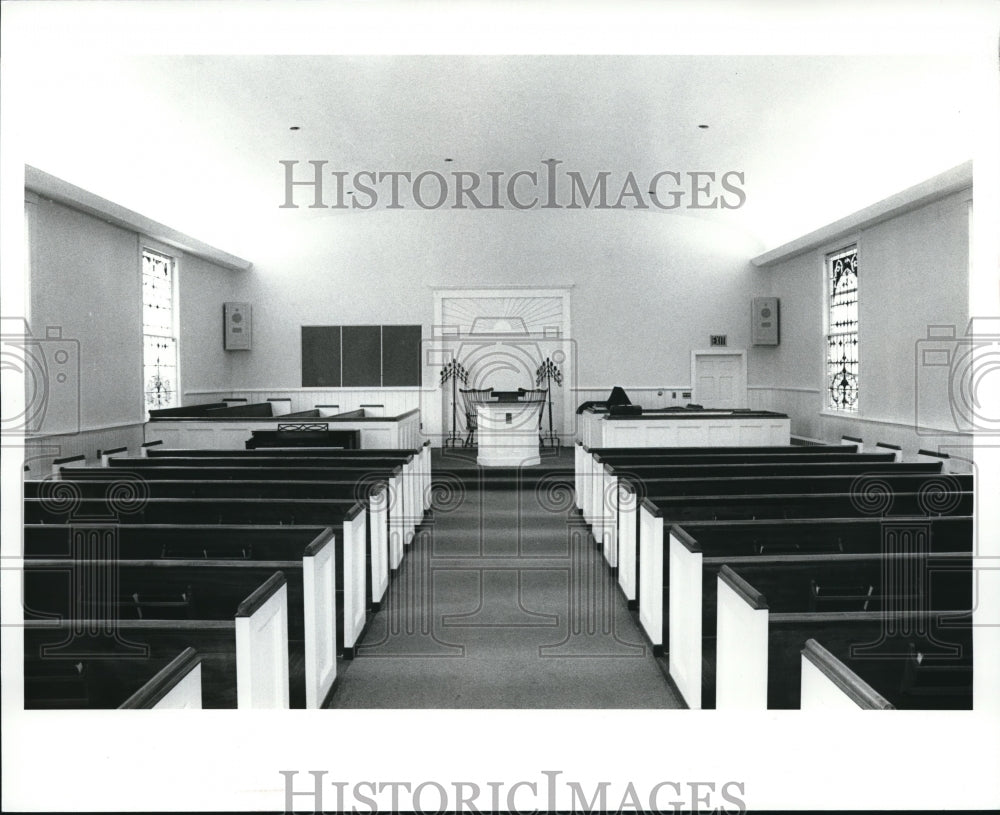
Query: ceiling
point(194, 142)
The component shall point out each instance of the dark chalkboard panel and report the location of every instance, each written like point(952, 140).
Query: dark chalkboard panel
point(401, 355)
point(362, 356)
point(321, 356)
point(366, 356)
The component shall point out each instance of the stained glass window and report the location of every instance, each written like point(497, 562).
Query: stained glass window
point(159, 373)
point(842, 330)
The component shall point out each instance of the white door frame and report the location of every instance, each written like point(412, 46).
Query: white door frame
point(741, 386)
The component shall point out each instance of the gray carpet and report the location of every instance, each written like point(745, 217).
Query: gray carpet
point(503, 601)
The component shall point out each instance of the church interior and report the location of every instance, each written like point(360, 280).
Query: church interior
point(440, 383)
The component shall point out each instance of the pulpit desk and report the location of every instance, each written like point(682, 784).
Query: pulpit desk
point(508, 433)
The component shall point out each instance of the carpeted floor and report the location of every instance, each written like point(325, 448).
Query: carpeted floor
point(503, 601)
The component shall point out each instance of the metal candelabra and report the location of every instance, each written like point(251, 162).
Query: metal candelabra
point(548, 372)
point(456, 372)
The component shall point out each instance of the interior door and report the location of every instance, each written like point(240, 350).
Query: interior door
point(720, 380)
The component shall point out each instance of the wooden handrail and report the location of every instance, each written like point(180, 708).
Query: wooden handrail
point(261, 595)
point(859, 691)
point(685, 539)
point(755, 599)
point(320, 541)
point(163, 682)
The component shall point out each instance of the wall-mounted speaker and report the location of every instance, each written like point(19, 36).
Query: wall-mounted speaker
point(236, 326)
point(764, 329)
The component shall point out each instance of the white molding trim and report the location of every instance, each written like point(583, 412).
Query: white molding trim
point(290, 388)
point(631, 387)
point(781, 388)
point(82, 430)
point(918, 428)
point(62, 192)
point(940, 186)
point(547, 287)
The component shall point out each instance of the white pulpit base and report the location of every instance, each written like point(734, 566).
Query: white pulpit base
point(507, 434)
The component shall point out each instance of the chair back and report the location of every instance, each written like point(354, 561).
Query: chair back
point(536, 397)
point(475, 396)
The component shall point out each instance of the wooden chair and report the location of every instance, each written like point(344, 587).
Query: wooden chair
point(473, 397)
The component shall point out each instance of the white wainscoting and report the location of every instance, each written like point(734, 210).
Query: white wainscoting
point(649, 396)
point(803, 406)
point(39, 451)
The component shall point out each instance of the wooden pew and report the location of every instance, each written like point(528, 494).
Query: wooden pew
point(177, 686)
point(117, 490)
point(158, 573)
point(829, 685)
point(585, 467)
point(345, 516)
point(83, 682)
point(409, 489)
point(244, 656)
point(590, 469)
point(624, 520)
point(622, 542)
point(421, 470)
point(658, 517)
point(764, 622)
point(698, 551)
point(366, 479)
point(608, 480)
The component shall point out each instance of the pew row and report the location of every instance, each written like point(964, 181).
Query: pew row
point(697, 553)
point(121, 493)
point(66, 684)
point(417, 462)
point(244, 657)
point(173, 572)
point(657, 518)
point(345, 516)
point(871, 488)
point(586, 469)
point(408, 476)
point(641, 477)
point(764, 622)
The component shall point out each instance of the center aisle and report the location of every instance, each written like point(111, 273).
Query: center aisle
point(503, 601)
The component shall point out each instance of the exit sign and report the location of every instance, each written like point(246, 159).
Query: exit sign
point(718, 339)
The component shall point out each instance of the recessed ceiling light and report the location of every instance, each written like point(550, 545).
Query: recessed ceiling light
point(295, 127)
point(703, 127)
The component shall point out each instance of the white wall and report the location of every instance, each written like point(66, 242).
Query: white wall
point(914, 273)
point(647, 287)
point(85, 278)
